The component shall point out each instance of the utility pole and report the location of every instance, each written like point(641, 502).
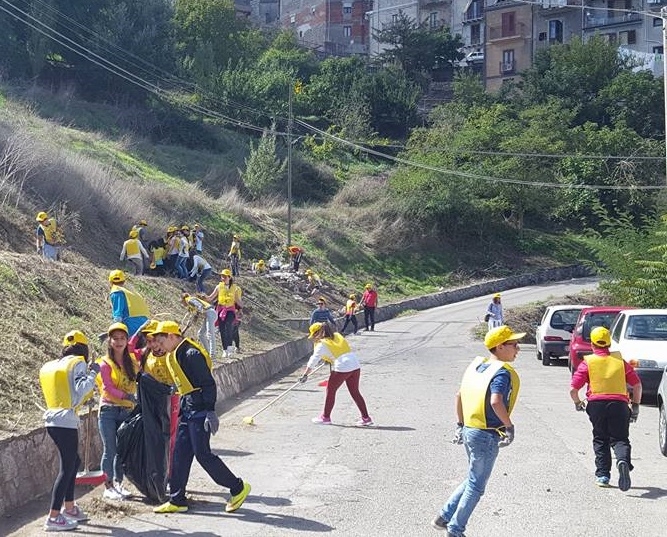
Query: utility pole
point(289, 165)
point(663, 14)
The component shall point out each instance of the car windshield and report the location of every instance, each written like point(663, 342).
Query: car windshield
point(650, 327)
point(563, 318)
point(596, 319)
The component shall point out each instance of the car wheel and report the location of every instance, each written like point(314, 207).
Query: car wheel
point(546, 359)
point(662, 430)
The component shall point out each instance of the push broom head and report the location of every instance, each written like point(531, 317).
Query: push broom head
point(91, 478)
point(249, 420)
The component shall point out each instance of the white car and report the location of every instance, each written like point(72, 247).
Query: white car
point(662, 419)
point(553, 334)
point(641, 338)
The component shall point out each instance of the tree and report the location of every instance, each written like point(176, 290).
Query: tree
point(264, 171)
point(416, 49)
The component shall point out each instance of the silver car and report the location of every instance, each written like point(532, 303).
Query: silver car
point(662, 419)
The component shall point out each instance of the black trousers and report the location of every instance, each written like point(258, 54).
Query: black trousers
point(67, 442)
point(611, 429)
point(192, 441)
point(369, 317)
point(226, 329)
point(350, 318)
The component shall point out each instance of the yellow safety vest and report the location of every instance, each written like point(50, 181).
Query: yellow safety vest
point(350, 307)
point(50, 231)
point(132, 247)
point(606, 374)
point(235, 249)
point(120, 380)
point(475, 386)
point(56, 378)
point(337, 346)
point(136, 305)
point(183, 384)
point(228, 296)
point(156, 367)
point(189, 299)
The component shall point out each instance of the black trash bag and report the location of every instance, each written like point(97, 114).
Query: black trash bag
point(143, 440)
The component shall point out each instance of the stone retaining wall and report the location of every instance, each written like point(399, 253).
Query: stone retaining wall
point(29, 462)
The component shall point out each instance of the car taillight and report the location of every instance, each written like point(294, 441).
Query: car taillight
point(553, 338)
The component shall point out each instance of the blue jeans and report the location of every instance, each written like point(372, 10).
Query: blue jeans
point(200, 280)
point(110, 418)
point(180, 267)
point(482, 449)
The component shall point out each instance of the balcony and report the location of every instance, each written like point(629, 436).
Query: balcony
point(622, 18)
point(474, 15)
point(500, 33)
point(560, 4)
point(507, 68)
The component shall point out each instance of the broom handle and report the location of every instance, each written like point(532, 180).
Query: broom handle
point(283, 394)
point(86, 448)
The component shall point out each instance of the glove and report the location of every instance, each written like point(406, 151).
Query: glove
point(580, 406)
point(94, 366)
point(634, 414)
point(303, 378)
point(458, 434)
point(131, 398)
point(507, 437)
point(211, 422)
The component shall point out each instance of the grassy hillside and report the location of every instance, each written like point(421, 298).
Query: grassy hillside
point(88, 166)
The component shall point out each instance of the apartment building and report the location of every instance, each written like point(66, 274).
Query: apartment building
point(330, 27)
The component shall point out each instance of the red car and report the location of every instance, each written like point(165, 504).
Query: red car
point(589, 318)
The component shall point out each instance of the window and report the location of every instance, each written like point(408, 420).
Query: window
point(555, 32)
point(347, 8)
point(347, 31)
point(394, 18)
point(267, 18)
point(508, 61)
point(542, 36)
point(292, 19)
point(657, 22)
point(658, 50)
point(475, 34)
point(508, 24)
point(433, 21)
point(627, 38)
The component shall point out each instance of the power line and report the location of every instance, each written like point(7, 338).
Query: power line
point(472, 175)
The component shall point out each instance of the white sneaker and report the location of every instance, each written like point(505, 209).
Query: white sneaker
point(76, 513)
point(122, 490)
point(112, 494)
point(60, 523)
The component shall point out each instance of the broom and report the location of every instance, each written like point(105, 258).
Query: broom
point(88, 477)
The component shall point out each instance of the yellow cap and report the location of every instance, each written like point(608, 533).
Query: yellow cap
point(497, 295)
point(368, 286)
point(353, 296)
point(261, 262)
point(116, 276)
point(74, 337)
point(308, 271)
point(133, 234)
point(600, 337)
point(185, 228)
point(226, 272)
point(499, 335)
point(150, 327)
point(41, 216)
point(196, 225)
point(314, 329)
point(117, 326)
point(143, 223)
point(322, 299)
point(166, 327)
point(171, 229)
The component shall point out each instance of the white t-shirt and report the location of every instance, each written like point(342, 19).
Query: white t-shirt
point(343, 364)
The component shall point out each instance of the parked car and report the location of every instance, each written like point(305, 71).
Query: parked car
point(589, 318)
point(662, 416)
point(641, 338)
point(552, 335)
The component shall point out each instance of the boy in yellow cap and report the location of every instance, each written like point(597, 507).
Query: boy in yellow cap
point(351, 314)
point(489, 389)
point(49, 237)
point(134, 252)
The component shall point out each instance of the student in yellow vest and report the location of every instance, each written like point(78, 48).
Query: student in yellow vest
point(333, 349)
point(228, 296)
point(190, 366)
point(48, 236)
point(234, 255)
point(134, 252)
point(66, 383)
point(350, 314)
point(127, 307)
point(117, 383)
point(259, 267)
point(484, 403)
point(608, 376)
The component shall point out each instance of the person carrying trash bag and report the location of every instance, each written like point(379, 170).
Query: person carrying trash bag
point(484, 403)
point(332, 347)
point(190, 366)
point(144, 437)
point(608, 376)
point(66, 383)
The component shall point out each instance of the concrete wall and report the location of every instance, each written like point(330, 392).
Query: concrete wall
point(29, 462)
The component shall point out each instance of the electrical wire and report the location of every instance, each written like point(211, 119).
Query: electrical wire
point(468, 175)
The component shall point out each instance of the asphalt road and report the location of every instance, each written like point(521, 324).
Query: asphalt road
point(391, 479)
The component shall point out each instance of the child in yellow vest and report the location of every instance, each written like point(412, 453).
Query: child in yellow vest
point(484, 403)
point(332, 348)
